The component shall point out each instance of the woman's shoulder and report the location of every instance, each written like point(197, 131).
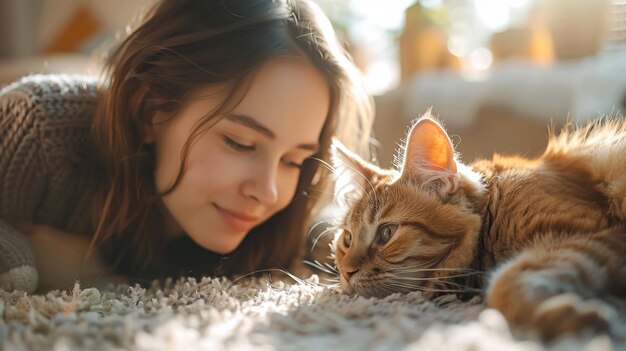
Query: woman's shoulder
point(55, 110)
point(50, 96)
point(41, 85)
point(44, 128)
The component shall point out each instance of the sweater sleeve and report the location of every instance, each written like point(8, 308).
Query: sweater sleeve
point(43, 119)
point(22, 183)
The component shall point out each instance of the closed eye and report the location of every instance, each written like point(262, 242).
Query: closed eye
point(292, 164)
point(297, 160)
point(238, 146)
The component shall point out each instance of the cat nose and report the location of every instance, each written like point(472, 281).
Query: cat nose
point(349, 272)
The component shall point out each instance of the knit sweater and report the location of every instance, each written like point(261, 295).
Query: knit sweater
point(44, 126)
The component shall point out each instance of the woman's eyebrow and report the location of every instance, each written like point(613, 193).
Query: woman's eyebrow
point(254, 124)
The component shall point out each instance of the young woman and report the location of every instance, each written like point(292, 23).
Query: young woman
point(200, 153)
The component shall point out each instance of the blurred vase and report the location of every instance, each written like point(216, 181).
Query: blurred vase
point(423, 45)
point(577, 27)
point(531, 43)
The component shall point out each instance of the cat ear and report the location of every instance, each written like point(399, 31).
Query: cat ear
point(353, 174)
point(429, 156)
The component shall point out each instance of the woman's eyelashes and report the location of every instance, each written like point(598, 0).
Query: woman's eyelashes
point(242, 147)
point(296, 161)
point(238, 146)
point(292, 164)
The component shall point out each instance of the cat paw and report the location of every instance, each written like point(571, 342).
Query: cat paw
point(568, 314)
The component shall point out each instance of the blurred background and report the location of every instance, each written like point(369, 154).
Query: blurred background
point(496, 72)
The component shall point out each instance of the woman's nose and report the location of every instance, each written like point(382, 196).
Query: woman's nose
point(262, 186)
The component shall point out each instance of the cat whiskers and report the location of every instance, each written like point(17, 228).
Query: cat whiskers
point(437, 281)
point(295, 278)
point(326, 231)
point(462, 271)
point(406, 278)
point(433, 284)
point(334, 171)
point(405, 287)
point(331, 194)
point(317, 225)
point(325, 268)
point(330, 225)
point(459, 273)
point(385, 290)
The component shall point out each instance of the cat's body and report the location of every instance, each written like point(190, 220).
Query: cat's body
point(562, 194)
point(548, 232)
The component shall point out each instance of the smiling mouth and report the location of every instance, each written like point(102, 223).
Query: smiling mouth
point(236, 220)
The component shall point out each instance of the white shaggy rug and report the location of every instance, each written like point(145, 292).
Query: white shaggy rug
point(216, 314)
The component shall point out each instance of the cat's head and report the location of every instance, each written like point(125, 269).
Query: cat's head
point(408, 228)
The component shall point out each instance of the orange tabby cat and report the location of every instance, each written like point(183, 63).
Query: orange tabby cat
point(549, 231)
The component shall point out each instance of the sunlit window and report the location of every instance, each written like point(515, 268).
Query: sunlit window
point(477, 34)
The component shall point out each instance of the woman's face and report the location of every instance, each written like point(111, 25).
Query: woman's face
point(246, 168)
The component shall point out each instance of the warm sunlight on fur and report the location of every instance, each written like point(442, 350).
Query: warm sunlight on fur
point(543, 238)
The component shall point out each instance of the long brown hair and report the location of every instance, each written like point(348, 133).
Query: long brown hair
point(187, 44)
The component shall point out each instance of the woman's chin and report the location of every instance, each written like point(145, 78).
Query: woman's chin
point(227, 245)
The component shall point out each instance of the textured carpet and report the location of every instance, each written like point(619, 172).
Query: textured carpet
point(255, 314)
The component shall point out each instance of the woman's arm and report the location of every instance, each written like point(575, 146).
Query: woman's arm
point(22, 183)
point(39, 117)
point(61, 259)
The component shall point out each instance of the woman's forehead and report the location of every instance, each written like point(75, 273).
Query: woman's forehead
point(289, 97)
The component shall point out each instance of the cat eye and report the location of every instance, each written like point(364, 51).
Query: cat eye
point(347, 238)
point(386, 231)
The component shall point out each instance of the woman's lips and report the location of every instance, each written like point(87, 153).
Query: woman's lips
point(237, 220)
